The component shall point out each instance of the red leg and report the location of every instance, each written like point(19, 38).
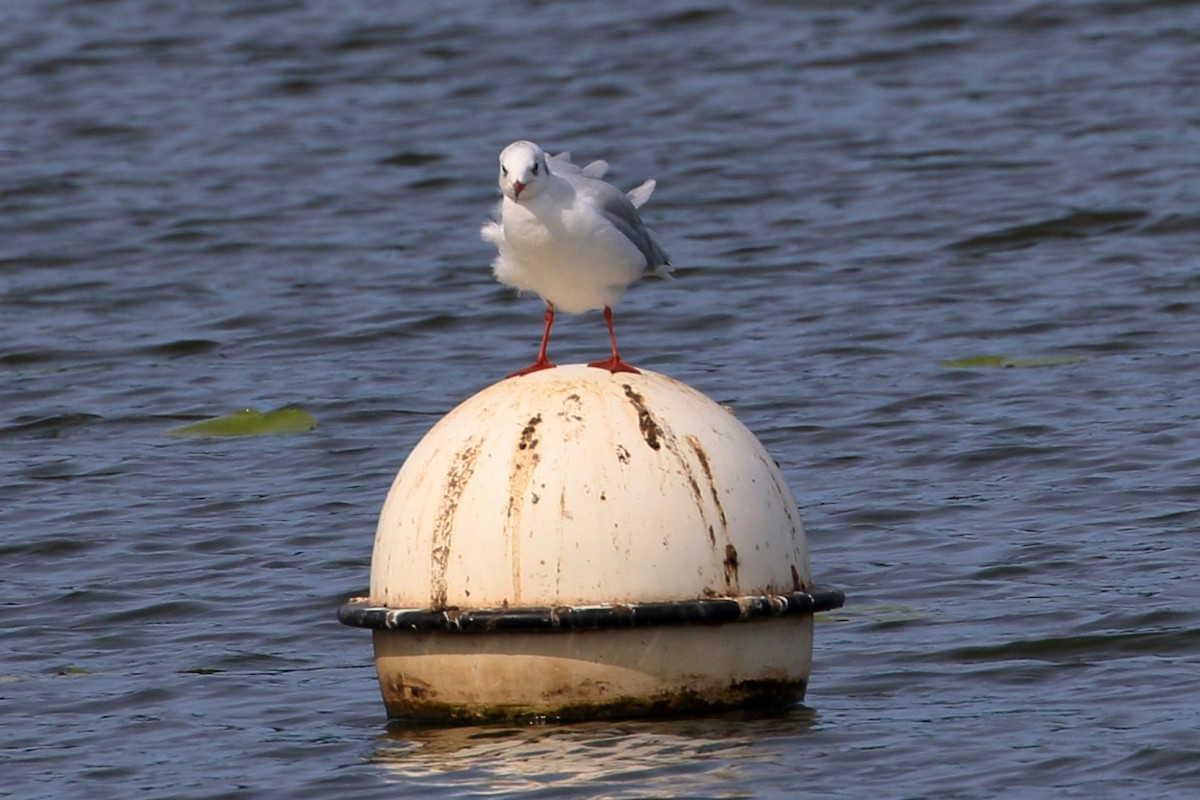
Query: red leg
point(541, 362)
point(614, 364)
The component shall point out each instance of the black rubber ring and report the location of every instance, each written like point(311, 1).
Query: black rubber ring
point(708, 611)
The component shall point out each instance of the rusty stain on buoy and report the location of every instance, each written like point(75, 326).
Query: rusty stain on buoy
point(456, 483)
point(651, 431)
point(731, 570)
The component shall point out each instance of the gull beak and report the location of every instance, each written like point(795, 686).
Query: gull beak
point(517, 188)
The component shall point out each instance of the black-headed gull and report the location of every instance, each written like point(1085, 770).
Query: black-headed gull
point(571, 238)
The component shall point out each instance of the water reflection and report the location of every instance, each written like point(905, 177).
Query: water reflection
point(710, 757)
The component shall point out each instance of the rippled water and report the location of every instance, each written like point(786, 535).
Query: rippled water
point(262, 203)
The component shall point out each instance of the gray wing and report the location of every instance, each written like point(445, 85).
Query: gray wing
point(619, 211)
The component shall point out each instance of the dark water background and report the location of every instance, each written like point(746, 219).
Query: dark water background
point(208, 206)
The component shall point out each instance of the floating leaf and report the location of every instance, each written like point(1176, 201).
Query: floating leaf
point(248, 422)
point(1010, 361)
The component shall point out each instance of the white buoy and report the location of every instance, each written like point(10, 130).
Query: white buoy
point(578, 543)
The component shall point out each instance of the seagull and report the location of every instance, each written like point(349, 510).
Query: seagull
point(571, 238)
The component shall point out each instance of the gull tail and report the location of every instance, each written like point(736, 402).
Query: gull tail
point(561, 163)
point(641, 194)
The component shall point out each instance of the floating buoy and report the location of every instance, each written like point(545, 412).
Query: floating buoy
point(575, 543)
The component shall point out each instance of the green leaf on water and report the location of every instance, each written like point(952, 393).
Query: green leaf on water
point(972, 362)
point(248, 422)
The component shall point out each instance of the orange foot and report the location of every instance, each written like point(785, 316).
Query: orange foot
point(615, 365)
point(540, 364)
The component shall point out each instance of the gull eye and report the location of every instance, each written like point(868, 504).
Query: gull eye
point(503, 170)
point(535, 168)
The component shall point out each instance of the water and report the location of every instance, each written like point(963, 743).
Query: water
point(210, 206)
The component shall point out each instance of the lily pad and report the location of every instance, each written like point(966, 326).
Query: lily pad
point(973, 362)
point(248, 422)
point(70, 672)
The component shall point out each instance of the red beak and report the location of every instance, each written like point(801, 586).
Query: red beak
point(517, 188)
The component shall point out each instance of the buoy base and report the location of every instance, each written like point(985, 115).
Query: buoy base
point(619, 673)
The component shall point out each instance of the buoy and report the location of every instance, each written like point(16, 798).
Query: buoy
point(575, 543)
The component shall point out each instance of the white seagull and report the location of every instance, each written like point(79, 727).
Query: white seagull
point(571, 238)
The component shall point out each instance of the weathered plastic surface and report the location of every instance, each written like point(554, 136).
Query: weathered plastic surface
point(574, 485)
point(595, 674)
point(573, 497)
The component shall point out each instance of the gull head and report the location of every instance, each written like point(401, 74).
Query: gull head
point(523, 171)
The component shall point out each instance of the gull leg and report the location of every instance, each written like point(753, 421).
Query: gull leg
point(541, 362)
point(614, 364)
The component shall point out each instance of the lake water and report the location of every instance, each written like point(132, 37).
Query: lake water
point(268, 203)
